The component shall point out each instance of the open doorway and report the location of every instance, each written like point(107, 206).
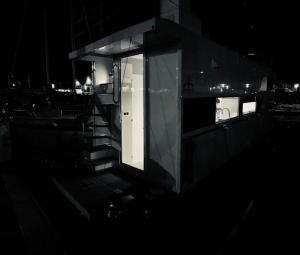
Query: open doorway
point(132, 110)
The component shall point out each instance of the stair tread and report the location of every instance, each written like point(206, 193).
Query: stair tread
point(97, 162)
point(104, 124)
point(100, 148)
point(98, 114)
point(97, 136)
point(105, 160)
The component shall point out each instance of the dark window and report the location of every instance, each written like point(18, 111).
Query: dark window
point(198, 113)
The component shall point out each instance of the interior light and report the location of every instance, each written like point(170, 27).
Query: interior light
point(88, 81)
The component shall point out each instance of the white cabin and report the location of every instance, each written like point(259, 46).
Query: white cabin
point(180, 106)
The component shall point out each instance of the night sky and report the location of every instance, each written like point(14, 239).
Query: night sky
point(269, 30)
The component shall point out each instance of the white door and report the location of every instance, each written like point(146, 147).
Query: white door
point(132, 110)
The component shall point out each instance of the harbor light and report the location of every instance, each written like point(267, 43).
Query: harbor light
point(77, 83)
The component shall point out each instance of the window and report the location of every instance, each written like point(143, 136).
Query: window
point(198, 113)
point(226, 108)
point(249, 107)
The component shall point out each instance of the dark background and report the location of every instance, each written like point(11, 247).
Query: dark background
point(270, 29)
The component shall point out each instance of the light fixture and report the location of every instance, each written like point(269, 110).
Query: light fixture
point(88, 81)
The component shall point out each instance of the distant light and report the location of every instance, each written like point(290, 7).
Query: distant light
point(222, 85)
point(13, 85)
point(247, 85)
point(53, 86)
point(201, 72)
point(88, 81)
point(251, 54)
point(296, 86)
point(221, 90)
point(64, 90)
point(227, 86)
point(77, 83)
point(102, 48)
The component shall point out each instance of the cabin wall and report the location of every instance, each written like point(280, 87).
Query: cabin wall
point(205, 152)
point(164, 117)
point(210, 71)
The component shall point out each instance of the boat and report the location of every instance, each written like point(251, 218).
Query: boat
point(177, 106)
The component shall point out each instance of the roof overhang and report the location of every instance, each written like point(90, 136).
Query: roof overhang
point(129, 39)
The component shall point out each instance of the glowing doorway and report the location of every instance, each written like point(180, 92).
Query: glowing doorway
point(132, 110)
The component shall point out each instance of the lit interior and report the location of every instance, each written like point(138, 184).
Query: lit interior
point(227, 108)
point(249, 107)
point(121, 46)
point(132, 108)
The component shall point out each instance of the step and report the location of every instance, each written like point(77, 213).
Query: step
point(105, 99)
point(98, 131)
point(97, 114)
point(97, 122)
point(94, 137)
point(101, 152)
point(103, 164)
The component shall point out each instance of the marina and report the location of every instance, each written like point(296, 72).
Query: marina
point(159, 132)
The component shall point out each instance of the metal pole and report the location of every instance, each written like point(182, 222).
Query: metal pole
point(72, 40)
point(18, 44)
point(46, 46)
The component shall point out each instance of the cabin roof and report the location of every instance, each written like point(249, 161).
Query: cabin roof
point(129, 39)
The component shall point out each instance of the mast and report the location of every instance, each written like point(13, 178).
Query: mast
point(18, 44)
point(72, 40)
point(46, 46)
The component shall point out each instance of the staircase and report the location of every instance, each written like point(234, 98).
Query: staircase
point(102, 147)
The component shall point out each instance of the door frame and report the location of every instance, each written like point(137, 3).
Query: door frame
point(125, 166)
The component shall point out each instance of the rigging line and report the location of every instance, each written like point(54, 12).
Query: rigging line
point(119, 92)
point(86, 20)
